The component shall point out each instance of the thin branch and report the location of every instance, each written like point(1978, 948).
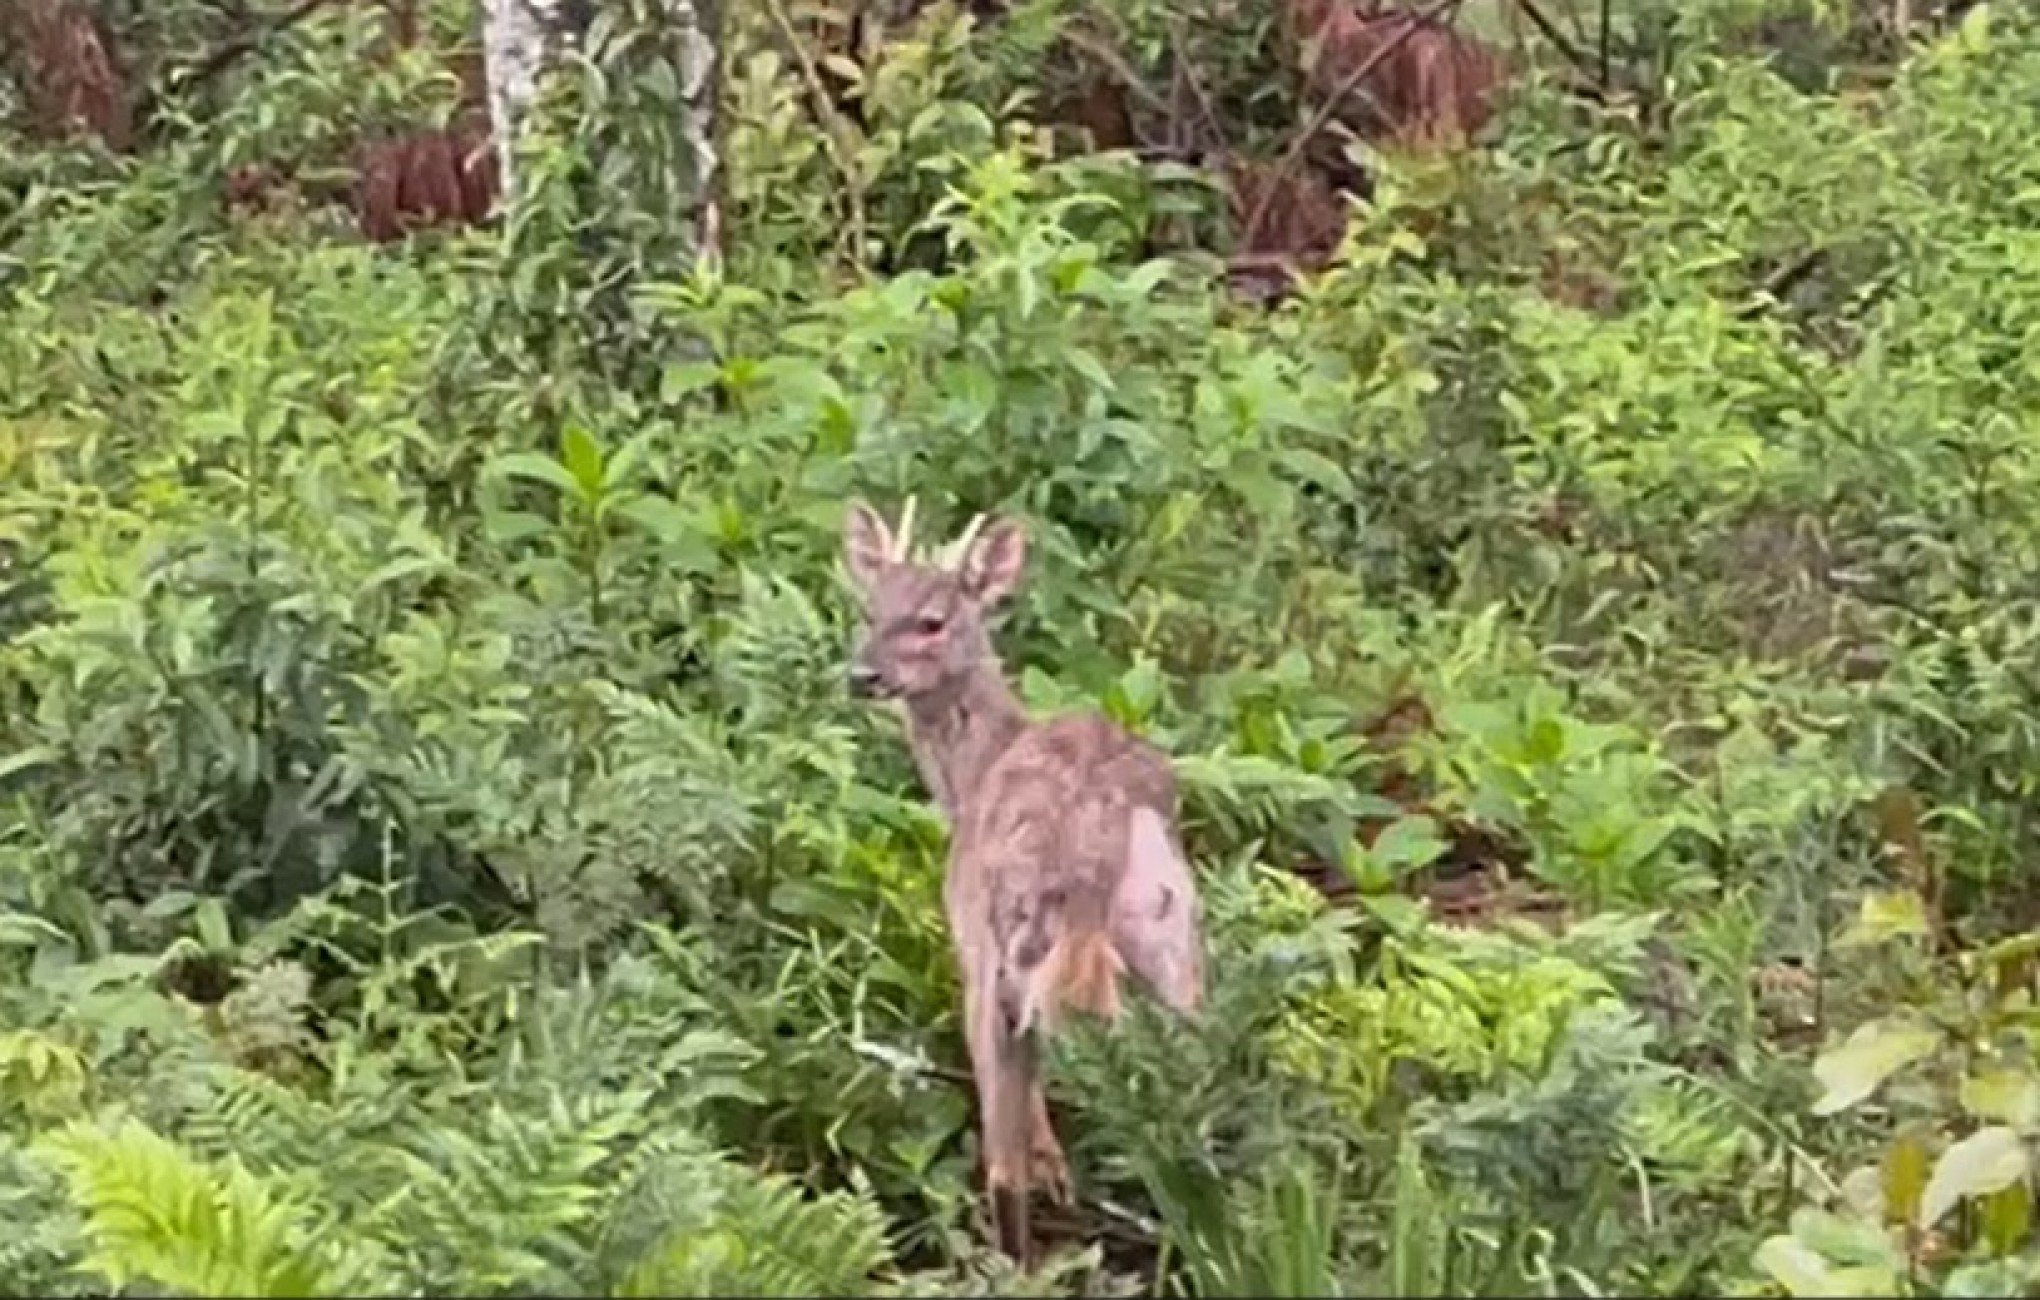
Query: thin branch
point(1411, 25)
point(831, 122)
point(1782, 281)
point(1545, 28)
point(229, 53)
point(233, 51)
point(1109, 59)
point(1607, 25)
point(1189, 70)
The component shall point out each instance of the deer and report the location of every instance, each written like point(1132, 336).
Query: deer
point(1065, 867)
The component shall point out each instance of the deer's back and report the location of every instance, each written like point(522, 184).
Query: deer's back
point(1048, 822)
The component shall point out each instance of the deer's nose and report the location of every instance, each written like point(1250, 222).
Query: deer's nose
point(865, 681)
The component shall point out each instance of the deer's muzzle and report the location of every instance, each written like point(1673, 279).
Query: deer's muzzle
point(867, 683)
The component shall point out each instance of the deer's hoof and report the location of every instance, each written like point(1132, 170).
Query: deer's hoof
point(1049, 1170)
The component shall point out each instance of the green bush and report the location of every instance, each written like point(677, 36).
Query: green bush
point(437, 853)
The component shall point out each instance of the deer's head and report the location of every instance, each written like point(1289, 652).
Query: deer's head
point(925, 630)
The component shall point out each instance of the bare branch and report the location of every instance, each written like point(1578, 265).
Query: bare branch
point(1411, 25)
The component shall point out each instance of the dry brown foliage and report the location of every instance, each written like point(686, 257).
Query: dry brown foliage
point(70, 76)
point(428, 178)
point(1302, 219)
point(424, 179)
point(1435, 87)
point(1098, 108)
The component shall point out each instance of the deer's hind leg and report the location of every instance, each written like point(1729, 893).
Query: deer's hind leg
point(1050, 1167)
point(1003, 1067)
point(1155, 914)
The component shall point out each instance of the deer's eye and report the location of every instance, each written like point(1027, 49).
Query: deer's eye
point(929, 624)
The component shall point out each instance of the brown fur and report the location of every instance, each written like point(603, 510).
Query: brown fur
point(1064, 869)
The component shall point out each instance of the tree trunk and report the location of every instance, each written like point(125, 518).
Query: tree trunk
point(695, 25)
point(517, 36)
point(524, 42)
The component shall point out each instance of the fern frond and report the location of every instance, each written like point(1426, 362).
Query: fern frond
point(155, 1214)
point(45, 1237)
point(765, 1237)
point(508, 1207)
point(1687, 1131)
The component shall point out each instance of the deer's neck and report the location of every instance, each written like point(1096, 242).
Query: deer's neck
point(957, 734)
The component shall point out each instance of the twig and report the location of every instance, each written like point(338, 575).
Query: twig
point(1189, 71)
point(831, 122)
point(1579, 70)
point(1331, 105)
point(1607, 23)
point(1782, 281)
point(1545, 28)
point(1109, 59)
point(234, 50)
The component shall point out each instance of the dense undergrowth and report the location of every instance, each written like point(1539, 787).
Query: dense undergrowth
point(437, 854)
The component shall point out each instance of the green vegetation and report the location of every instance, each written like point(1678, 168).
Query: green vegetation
point(438, 854)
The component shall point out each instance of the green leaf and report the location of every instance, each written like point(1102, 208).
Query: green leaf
point(2008, 1218)
point(2006, 1096)
point(26, 760)
point(214, 930)
point(1986, 1161)
point(683, 378)
point(531, 465)
point(1797, 1267)
point(22, 930)
point(1409, 843)
point(1887, 914)
point(1999, 1277)
point(1804, 1271)
point(582, 456)
point(1871, 1055)
point(1904, 1175)
point(153, 1213)
point(1398, 914)
point(1840, 1240)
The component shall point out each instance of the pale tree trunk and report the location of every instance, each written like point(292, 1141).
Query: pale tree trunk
point(517, 36)
point(694, 24)
point(523, 41)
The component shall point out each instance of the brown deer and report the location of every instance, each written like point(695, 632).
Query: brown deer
point(1065, 869)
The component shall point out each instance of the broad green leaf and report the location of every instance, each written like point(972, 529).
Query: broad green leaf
point(531, 465)
point(23, 760)
point(1999, 1277)
point(684, 378)
point(215, 931)
point(1986, 1161)
point(1868, 1057)
point(1398, 914)
point(1905, 1171)
point(23, 930)
point(1887, 914)
point(2008, 1218)
point(1805, 1271)
point(1409, 843)
point(583, 459)
point(1797, 1267)
point(2005, 1096)
point(1841, 1240)
point(1863, 1192)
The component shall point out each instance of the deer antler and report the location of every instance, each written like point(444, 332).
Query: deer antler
point(952, 555)
point(903, 541)
point(901, 548)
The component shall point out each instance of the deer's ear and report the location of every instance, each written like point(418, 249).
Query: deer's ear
point(867, 545)
point(991, 567)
